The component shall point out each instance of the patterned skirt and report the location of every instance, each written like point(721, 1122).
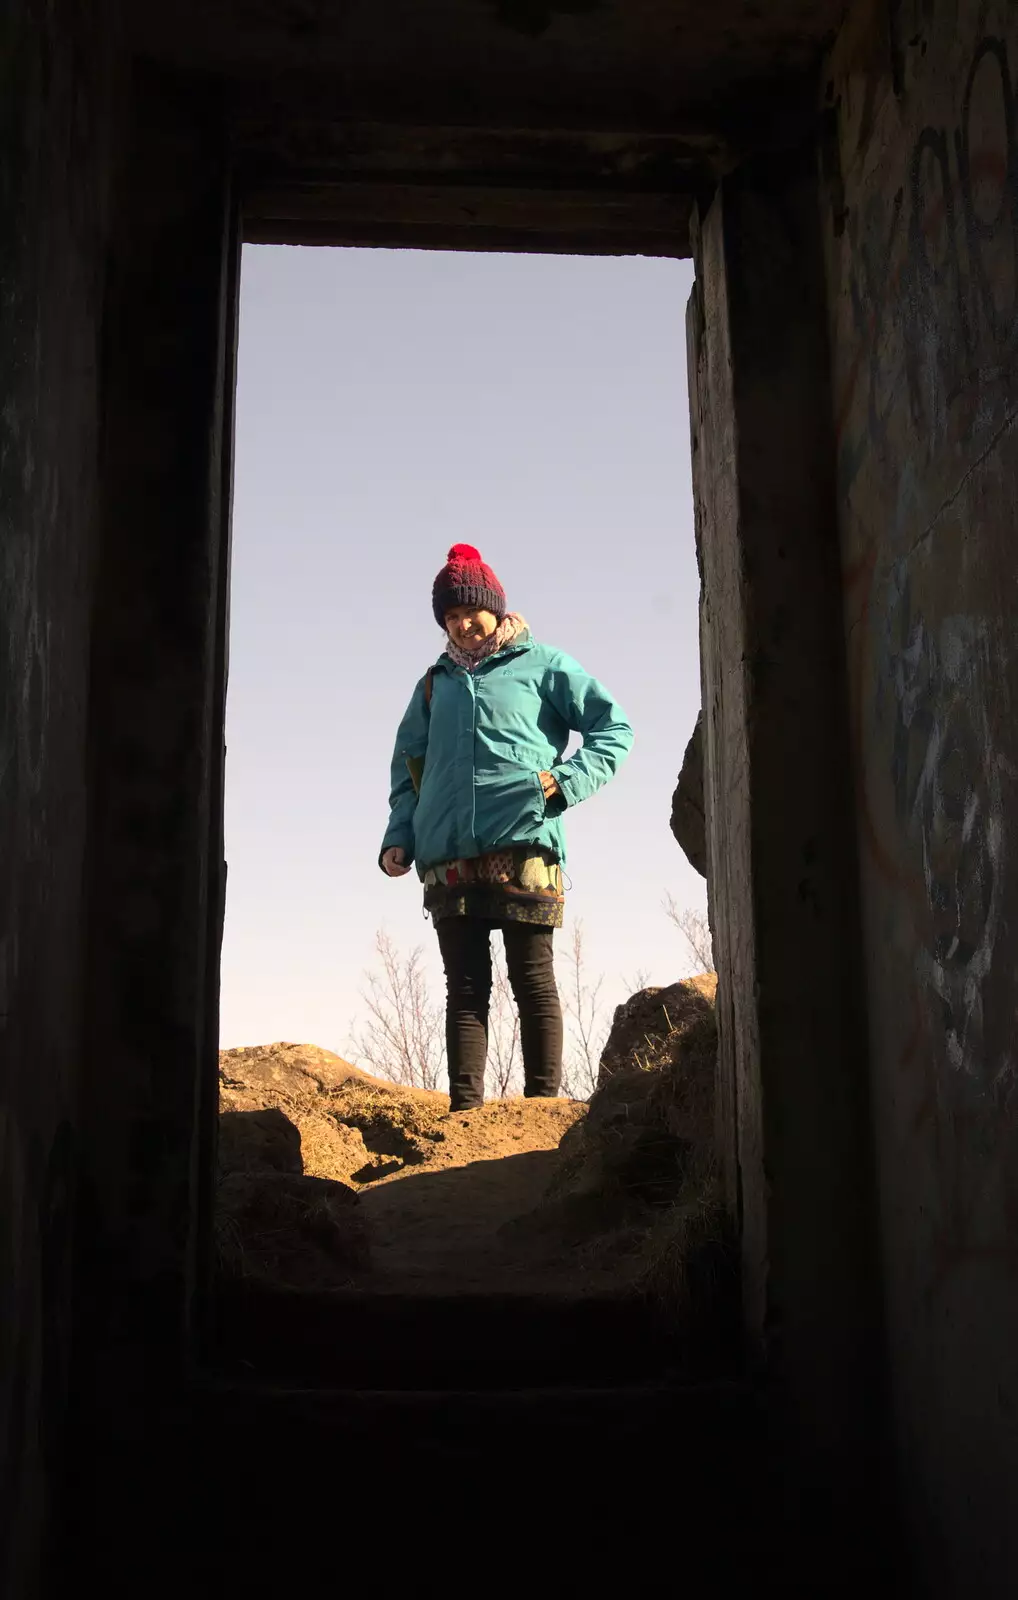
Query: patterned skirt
point(520, 884)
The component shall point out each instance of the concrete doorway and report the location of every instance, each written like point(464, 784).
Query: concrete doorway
point(538, 404)
point(194, 189)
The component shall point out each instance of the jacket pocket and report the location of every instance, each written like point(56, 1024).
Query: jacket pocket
point(509, 807)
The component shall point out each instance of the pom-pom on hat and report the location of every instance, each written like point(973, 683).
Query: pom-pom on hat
point(466, 580)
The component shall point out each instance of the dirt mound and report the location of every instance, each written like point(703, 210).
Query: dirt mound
point(360, 1129)
point(286, 1212)
point(314, 1088)
point(520, 1196)
point(275, 1223)
point(302, 1112)
point(444, 1227)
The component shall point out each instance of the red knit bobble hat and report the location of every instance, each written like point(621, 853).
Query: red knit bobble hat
point(466, 580)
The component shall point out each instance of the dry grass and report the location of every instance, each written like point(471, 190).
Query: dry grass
point(392, 1122)
point(288, 1230)
point(687, 1255)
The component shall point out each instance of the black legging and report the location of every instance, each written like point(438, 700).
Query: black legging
point(465, 943)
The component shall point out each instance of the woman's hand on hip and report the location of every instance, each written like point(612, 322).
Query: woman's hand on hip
point(392, 861)
point(549, 785)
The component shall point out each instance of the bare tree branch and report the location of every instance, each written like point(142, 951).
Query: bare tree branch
point(695, 929)
point(640, 979)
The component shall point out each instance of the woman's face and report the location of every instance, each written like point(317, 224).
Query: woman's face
point(468, 626)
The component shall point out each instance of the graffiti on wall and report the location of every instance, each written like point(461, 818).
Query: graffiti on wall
point(934, 281)
point(928, 403)
point(948, 779)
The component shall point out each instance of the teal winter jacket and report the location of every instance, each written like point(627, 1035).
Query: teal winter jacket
point(484, 739)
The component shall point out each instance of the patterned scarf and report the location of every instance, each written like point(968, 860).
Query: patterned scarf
point(507, 632)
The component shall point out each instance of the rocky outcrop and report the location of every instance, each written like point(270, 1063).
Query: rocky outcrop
point(636, 1181)
point(647, 1026)
point(650, 1126)
point(688, 818)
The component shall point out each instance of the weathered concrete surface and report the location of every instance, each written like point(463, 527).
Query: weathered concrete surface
point(155, 851)
point(793, 1080)
point(601, 122)
point(511, 63)
point(921, 220)
point(687, 821)
point(55, 100)
point(588, 125)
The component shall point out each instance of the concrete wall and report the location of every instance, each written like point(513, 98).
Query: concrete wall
point(921, 238)
point(900, 273)
point(793, 1080)
point(118, 271)
point(155, 868)
point(54, 128)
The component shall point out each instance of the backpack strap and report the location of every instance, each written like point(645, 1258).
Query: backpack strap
point(415, 764)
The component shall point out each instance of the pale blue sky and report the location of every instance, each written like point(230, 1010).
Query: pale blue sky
point(390, 404)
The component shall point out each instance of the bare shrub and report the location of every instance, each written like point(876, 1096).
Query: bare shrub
point(403, 1036)
point(586, 1025)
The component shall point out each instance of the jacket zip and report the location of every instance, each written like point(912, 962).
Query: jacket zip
point(473, 755)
